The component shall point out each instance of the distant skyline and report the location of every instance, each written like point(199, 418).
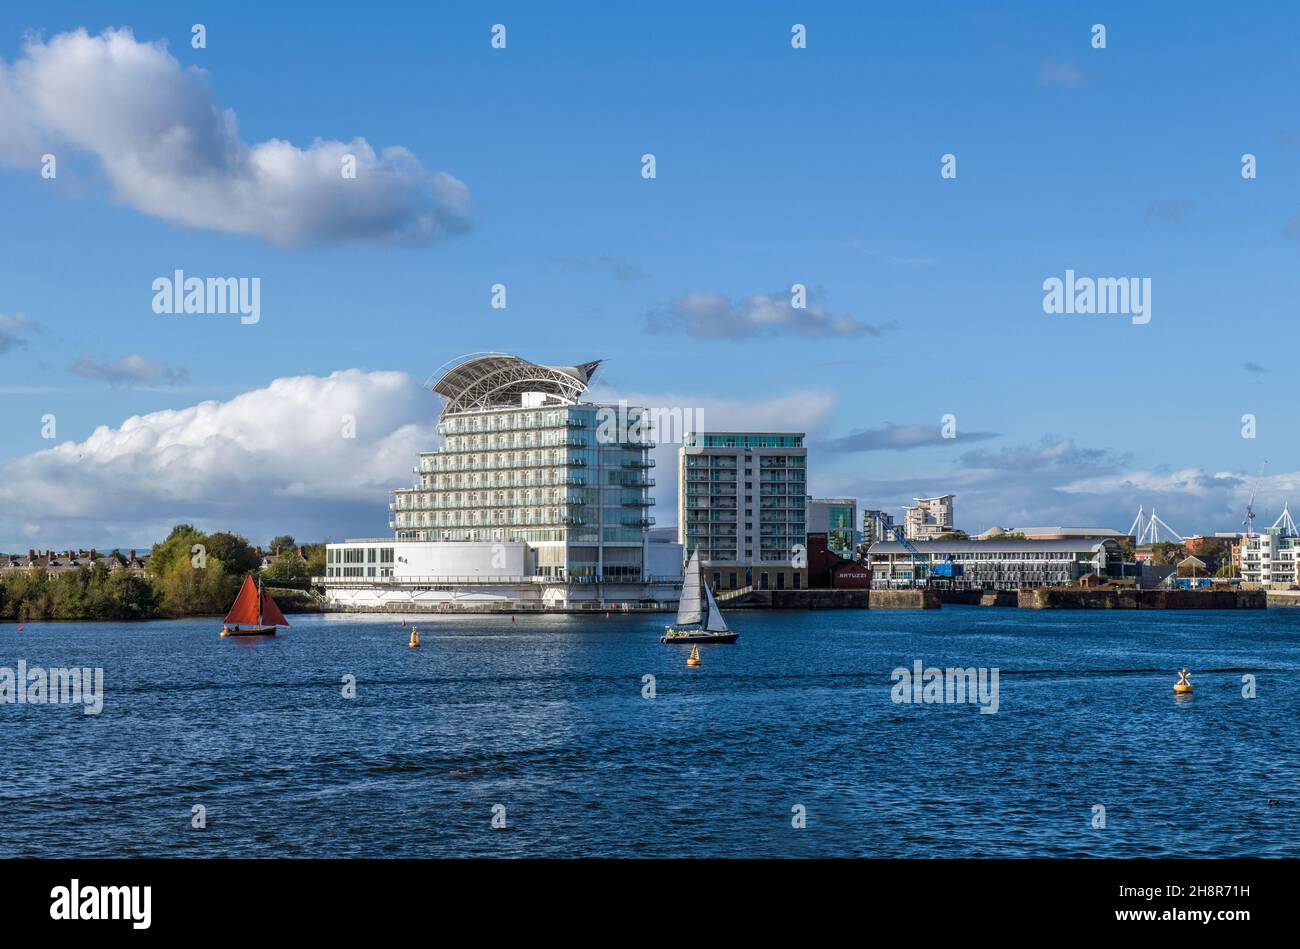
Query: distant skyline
point(523, 167)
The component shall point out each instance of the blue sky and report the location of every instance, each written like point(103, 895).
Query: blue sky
point(775, 166)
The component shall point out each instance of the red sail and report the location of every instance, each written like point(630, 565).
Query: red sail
point(271, 615)
point(244, 612)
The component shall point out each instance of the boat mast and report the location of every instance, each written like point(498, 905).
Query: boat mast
point(259, 601)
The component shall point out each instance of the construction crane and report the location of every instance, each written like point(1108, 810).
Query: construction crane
point(1249, 522)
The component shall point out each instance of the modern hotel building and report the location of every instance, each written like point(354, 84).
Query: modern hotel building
point(742, 500)
point(534, 498)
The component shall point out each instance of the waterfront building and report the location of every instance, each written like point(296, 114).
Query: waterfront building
point(742, 500)
point(534, 497)
point(837, 518)
point(928, 517)
point(997, 564)
point(1270, 558)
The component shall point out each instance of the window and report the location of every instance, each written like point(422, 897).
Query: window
point(762, 580)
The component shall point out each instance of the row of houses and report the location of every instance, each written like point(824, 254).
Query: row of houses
point(57, 561)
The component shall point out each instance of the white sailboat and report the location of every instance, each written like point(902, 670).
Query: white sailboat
point(698, 618)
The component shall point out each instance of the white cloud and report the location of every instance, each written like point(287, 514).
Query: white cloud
point(170, 149)
point(269, 461)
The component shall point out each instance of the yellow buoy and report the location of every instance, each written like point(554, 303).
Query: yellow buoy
point(694, 658)
point(415, 638)
point(225, 631)
point(1184, 684)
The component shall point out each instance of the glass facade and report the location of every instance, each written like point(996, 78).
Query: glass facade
point(840, 533)
point(552, 476)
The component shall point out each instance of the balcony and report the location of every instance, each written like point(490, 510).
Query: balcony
point(640, 463)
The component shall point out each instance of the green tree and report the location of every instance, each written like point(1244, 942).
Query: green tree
point(234, 551)
point(187, 590)
point(176, 548)
point(1166, 552)
point(315, 560)
point(287, 566)
point(282, 543)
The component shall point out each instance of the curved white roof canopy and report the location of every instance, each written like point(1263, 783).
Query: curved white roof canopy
point(494, 380)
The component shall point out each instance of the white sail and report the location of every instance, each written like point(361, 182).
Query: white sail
point(691, 606)
point(716, 623)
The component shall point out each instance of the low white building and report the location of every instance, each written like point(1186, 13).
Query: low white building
point(1270, 558)
point(993, 564)
point(405, 575)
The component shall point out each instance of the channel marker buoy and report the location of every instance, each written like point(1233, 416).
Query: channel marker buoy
point(694, 658)
point(1184, 684)
point(415, 638)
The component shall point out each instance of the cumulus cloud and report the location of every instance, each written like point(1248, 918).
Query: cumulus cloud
point(269, 461)
point(169, 149)
point(130, 370)
point(15, 331)
point(891, 437)
point(708, 314)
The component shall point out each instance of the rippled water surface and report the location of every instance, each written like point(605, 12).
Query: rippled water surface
point(545, 717)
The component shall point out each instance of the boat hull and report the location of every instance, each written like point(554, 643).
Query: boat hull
point(700, 636)
point(248, 631)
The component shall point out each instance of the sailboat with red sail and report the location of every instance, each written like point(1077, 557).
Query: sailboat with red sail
point(253, 609)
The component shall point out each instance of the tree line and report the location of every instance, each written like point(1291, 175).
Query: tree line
point(189, 574)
